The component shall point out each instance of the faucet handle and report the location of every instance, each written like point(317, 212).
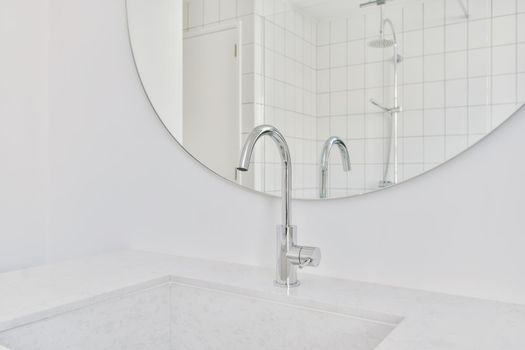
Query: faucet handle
point(305, 263)
point(304, 256)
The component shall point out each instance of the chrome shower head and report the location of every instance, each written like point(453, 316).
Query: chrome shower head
point(381, 43)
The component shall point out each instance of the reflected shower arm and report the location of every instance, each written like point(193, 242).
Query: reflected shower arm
point(395, 109)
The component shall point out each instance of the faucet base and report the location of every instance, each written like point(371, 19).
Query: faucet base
point(286, 285)
point(286, 273)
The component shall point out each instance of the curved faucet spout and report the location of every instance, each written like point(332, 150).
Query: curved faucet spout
point(325, 156)
point(278, 138)
point(289, 255)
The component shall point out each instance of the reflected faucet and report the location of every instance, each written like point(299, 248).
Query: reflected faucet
point(289, 254)
point(325, 156)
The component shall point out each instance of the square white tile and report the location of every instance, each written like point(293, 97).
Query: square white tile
point(521, 27)
point(356, 149)
point(503, 7)
point(480, 9)
point(356, 101)
point(374, 125)
point(338, 31)
point(434, 40)
point(338, 78)
point(479, 119)
point(211, 11)
point(480, 33)
point(456, 37)
point(338, 54)
point(434, 67)
point(244, 7)
point(323, 57)
point(434, 13)
point(434, 94)
point(434, 149)
point(356, 77)
point(413, 123)
point(338, 103)
point(457, 121)
point(413, 70)
point(504, 89)
point(413, 43)
point(374, 151)
point(479, 91)
point(456, 65)
point(434, 122)
point(227, 9)
point(413, 16)
point(479, 62)
point(456, 93)
point(338, 127)
point(521, 6)
point(504, 30)
point(356, 127)
point(374, 75)
point(323, 81)
point(356, 52)
point(195, 13)
point(521, 57)
point(521, 88)
point(504, 59)
point(454, 11)
point(323, 105)
point(372, 23)
point(413, 149)
point(356, 27)
point(413, 96)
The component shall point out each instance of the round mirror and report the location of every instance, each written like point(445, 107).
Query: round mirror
point(366, 95)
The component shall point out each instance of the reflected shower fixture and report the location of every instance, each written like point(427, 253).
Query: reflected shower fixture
point(325, 155)
point(381, 43)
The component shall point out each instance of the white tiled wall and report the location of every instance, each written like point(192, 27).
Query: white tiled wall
point(289, 78)
point(458, 81)
point(312, 78)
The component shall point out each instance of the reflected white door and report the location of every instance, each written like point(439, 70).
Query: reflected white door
point(211, 99)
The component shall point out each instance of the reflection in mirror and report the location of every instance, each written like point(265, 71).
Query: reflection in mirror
point(399, 86)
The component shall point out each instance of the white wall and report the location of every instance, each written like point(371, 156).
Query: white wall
point(23, 124)
point(117, 179)
point(155, 24)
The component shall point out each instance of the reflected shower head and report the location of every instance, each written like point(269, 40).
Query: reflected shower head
point(381, 43)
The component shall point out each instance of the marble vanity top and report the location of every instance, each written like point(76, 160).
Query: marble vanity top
point(428, 320)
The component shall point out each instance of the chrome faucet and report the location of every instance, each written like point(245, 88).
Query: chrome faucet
point(325, 156)
point(289, 254)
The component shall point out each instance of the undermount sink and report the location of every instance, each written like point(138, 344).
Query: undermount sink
point(182, 315)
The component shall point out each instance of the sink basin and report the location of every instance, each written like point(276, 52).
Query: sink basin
point(182, 315)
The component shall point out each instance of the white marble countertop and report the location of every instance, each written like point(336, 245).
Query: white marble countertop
point(430, 320)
